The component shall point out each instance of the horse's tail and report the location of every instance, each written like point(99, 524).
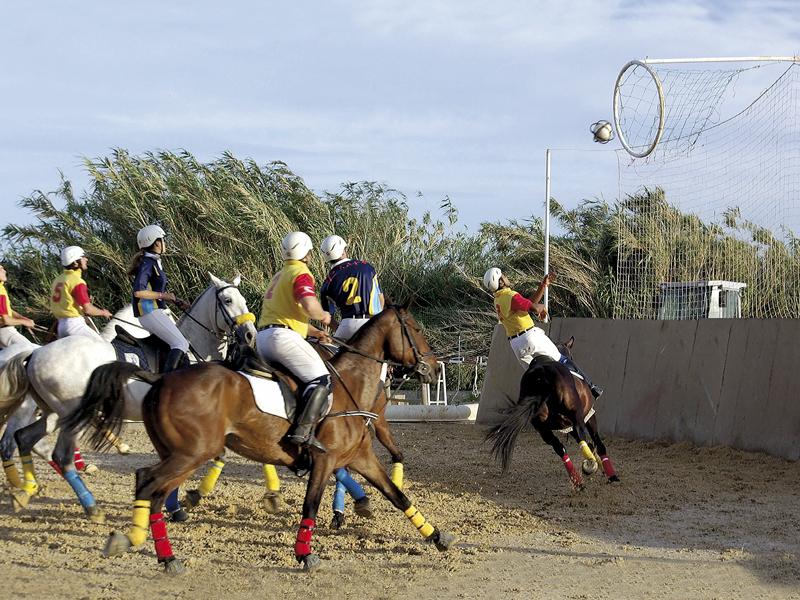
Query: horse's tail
point(14, 383)
point(516, 418)
point(102, 405)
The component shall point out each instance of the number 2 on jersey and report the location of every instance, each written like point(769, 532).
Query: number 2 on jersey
point(350, 286)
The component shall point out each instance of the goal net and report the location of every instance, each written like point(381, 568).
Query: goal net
point(709, 190)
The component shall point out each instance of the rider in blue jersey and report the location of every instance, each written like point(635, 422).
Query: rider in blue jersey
point(351, 287)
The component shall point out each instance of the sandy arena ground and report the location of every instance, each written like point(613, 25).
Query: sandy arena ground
point(684, 523)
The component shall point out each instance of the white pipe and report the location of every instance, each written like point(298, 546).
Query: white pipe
point(418, 413)
point(547, 230)
point(663, 61)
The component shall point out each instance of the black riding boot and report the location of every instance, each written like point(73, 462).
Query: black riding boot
point(312, 413)
point(570, 364)
point(176, 359)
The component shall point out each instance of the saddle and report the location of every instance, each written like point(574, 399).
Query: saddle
point(268, 381)
point(135, 351)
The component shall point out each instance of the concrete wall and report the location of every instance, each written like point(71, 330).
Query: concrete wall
point(734, 382)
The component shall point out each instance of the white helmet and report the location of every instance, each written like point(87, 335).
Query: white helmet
point(296, 245)
point(332, 248)
point(147, 236)
point(491, 279)
point(70, 254)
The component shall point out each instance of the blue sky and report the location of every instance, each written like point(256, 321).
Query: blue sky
point(457, 98)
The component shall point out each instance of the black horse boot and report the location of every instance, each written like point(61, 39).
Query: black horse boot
point(176, 359)
point(570, 364)
point(303, 435)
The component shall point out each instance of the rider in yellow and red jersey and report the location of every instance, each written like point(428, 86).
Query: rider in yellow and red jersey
point(9, 317)
point(290, 302)
point(69, 296)
point(527, 340)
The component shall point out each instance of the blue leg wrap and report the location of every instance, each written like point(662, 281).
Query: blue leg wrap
point(338, 498)
point(172, 503)
point(81, 491)
point(353, 487)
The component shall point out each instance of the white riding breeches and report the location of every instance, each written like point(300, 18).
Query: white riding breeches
point(348, 328)
point(534, 342)
point(161, 326)
point(76, 326)
point(9, 335)
point(287, 347)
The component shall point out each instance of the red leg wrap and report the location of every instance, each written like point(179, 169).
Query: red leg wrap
point(79, 464)
point(573, 474)
point(55, 466)
point(302, 547)
point(608, 466)
point(158, 530)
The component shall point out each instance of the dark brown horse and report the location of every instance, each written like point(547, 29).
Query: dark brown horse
point(192, 414)
point(552, 398)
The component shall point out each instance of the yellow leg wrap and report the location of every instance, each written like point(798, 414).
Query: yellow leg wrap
point(271, 478)
point(397, 474)
point(12, 474)
point(30, 486)
point(140, 523)
point(418, 521)
point(210, 479)
point(586, 451)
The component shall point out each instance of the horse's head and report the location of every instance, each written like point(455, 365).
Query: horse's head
point(566, 347)
point(405, 343)
point(230, 312)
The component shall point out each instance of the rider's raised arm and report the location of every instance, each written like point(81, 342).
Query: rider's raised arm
point(536, 298)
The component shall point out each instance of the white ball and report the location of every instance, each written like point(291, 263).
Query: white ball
point(602, 131)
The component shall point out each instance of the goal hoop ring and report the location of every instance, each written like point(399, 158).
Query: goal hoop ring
point(623, 140)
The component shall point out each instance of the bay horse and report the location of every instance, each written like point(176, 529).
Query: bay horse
point(272, 499)
point(192, 414)
point(552, 398)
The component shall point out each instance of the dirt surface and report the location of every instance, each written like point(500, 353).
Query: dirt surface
point(684, 522)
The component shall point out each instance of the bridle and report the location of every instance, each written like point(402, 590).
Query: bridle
point(223, 335)
point(419, 368)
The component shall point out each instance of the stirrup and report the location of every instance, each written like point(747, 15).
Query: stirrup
point(309, 442)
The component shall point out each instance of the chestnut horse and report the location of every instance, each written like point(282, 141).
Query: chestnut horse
point(552, 398)
point(192, 414)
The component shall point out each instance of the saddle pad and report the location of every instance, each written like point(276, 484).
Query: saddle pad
point(268, 395)
point(588, 416)
point(130, 354)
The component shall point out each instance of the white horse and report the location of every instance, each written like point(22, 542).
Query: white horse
point(25, 415)
point(57, 374)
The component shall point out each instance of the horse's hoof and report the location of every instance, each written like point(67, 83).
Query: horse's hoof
point(179, 516)
point(117, 543)
point(191, 499)
point(272, 502)
point(338, 520)
point(311, 562)
point(589, 467)
point(90, 469)
point(19, 500)
point(613, 479)
point(443, 541)
point(95, 514)
point(123, 448)
point(174, 567)
point(362, 508)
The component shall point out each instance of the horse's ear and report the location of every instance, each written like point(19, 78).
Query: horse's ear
point(570, 341)
point(216, 281)
point(237, 280)
point(387, 300)
point(407, 303)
